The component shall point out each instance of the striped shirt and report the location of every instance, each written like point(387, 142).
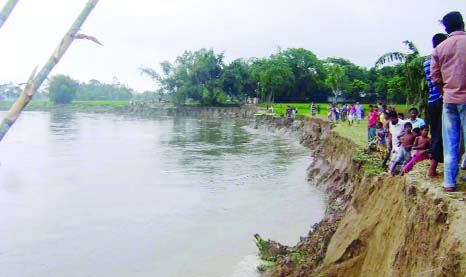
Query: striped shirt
point(434, 92)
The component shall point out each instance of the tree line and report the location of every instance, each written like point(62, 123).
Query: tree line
point(291, 75)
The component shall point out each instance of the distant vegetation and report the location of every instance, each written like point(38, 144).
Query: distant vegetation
point(293, 75)
point(62, 89)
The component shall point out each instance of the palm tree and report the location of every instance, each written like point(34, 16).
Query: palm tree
point(415, 80)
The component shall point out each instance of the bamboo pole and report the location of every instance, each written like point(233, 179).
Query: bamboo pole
point(6, 11)
point(35, 81)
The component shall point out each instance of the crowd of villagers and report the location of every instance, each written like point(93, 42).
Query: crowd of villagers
point(403, 142)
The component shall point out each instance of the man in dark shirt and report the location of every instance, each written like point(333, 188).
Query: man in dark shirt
point(435, 113)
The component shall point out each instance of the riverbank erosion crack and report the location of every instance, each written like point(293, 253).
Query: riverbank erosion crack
point(375, 224)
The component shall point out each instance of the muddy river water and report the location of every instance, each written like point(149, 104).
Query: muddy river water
point(109, 195)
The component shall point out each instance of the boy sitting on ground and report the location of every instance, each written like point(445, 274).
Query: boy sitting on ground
point(421, 145)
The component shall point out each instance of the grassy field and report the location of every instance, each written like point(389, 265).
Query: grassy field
point(44, 103)
point(303, 108)
point(7, 104)
point(356, 132)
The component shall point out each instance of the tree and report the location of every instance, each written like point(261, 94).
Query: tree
point(9, 91)
point(336, 79)
point(358, 88)
point(308, 73)
point(275, 79)
point(62, 89)
point(396, 89)
point(415, 81)
point(194, 75)
point(237, 80)
point(95, 90)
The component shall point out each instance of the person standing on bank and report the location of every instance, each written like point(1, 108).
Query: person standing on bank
point(448, 70)
point(435, 113)
point(416, 121)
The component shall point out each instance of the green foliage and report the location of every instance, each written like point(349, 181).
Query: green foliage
point(264, 252)
point(291, 75)
point(194, 75)
point(414, 83)
point(9, 91)
point(372, 163)
point(62, 89)
point(308, 74)
point(276, 79)
point(95, 90)
point(336, 80)
point(238, 82)
point(396, 89)
point(298, 256)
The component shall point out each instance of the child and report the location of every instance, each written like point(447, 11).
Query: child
point(381, 140)
point(421, 145)
point(404, 152)
point(351, 114)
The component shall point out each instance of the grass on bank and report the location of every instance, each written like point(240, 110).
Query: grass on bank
point(45, 103)
point(303, 108)
point(357, 132)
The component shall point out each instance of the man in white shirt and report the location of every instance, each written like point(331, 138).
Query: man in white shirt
point(417, 122)
point(395, 129)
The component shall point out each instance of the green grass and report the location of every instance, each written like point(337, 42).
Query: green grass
point(31, 104)
point(303, 108)
point(356, 132)
point(44, 103)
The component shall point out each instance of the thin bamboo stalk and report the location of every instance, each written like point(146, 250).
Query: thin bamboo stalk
point(6, 11)
point(35, 81)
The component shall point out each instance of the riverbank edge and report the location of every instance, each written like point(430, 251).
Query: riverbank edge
point(375, 224)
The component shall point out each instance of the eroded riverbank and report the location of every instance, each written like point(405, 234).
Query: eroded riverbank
point(375, 225)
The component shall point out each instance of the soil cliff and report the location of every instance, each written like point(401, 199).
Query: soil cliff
point(375, 224)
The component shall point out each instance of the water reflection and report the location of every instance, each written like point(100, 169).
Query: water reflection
point(62, 124)
point(141, 196)
point(213, 147)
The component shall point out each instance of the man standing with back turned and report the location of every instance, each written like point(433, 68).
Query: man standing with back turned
point(448, 70)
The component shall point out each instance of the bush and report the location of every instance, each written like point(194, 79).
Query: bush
point(62, 89)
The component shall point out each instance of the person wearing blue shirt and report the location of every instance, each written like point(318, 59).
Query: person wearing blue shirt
point(435, 113)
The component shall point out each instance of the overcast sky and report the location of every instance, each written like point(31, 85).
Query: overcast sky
point(145, 32)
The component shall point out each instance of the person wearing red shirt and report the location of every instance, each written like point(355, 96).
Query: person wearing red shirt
point(371, 124)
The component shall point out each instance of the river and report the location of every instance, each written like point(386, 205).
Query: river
point(111, 195)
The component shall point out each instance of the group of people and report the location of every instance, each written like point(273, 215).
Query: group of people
point(291, 111)
point(408, 140)
point(345, 112)
point(405, 139)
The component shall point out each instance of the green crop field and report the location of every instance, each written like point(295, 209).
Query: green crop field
point(303, 108)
